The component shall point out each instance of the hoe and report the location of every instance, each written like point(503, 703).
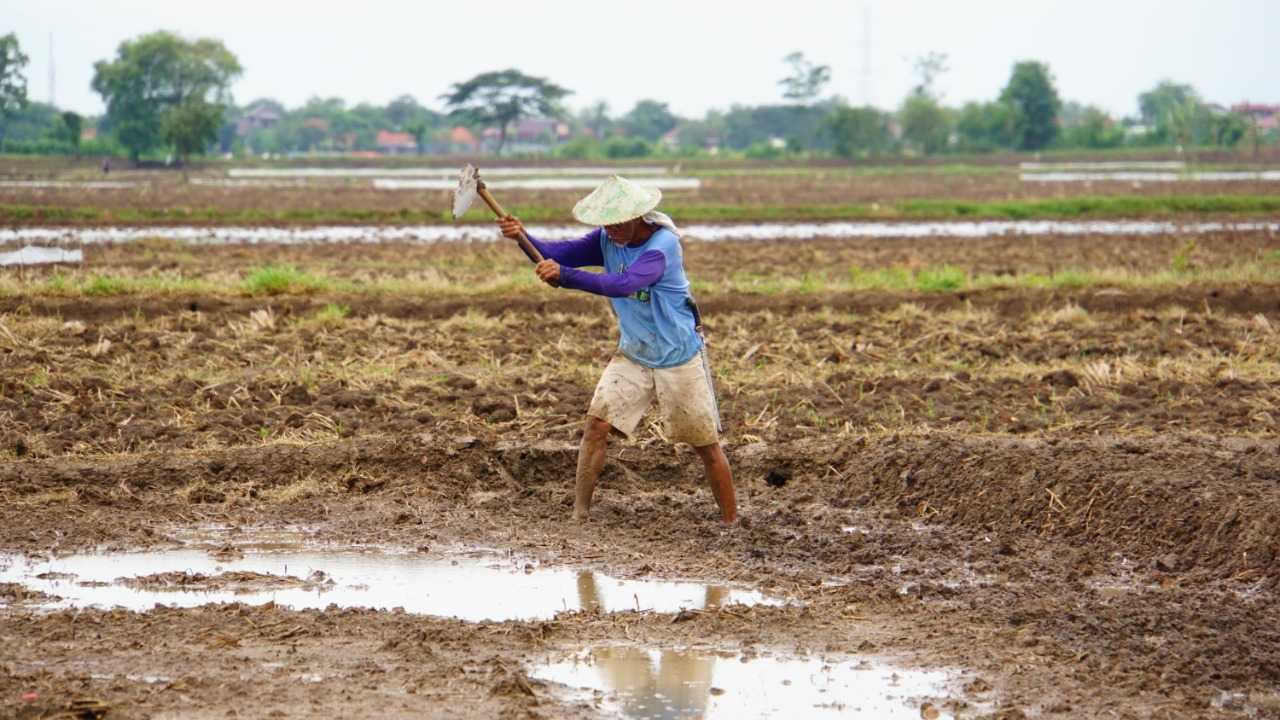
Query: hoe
point(469, 187)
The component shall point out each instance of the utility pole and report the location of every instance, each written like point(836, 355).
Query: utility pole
point(53, 95)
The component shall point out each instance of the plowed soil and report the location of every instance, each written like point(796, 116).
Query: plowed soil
point(326, 196)
point(1072, 494)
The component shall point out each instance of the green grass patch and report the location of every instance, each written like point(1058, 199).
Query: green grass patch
point(282, 280)
point(333, 312)
point(943, 279)
point(104, 285)
point(891, 278)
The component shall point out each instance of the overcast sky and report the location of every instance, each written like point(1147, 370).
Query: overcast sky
point(694, 54)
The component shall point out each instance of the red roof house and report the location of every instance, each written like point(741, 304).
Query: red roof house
point(396, 143)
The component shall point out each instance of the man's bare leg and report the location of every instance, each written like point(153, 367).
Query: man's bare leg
point(595, 438)
point(720, 478)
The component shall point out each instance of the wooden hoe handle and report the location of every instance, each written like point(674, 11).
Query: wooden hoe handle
point(523, 240)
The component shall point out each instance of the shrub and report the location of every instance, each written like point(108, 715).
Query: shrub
point(622, 147)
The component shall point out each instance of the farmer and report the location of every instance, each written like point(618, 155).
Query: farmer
point(660, 352)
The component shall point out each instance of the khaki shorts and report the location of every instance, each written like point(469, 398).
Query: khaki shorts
point(686, 399)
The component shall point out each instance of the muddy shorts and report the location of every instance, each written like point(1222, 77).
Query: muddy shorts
point(685, 395)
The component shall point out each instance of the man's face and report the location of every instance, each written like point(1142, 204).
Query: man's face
point(623, 233)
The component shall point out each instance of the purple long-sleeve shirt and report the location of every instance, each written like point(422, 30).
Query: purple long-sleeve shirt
point(586, 252)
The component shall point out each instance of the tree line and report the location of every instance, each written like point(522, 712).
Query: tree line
point(168, 95)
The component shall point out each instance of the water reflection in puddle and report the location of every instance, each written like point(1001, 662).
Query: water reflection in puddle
point(468, 588)
point(643, 683)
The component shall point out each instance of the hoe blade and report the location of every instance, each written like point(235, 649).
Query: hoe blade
point(466, 193)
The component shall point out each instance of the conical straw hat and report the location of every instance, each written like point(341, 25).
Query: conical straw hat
point(616, 200)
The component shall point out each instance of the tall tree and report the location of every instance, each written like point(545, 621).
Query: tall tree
point(71, 126)
point(806, 80)
point(501, 98)
point(860, 131)
point(1093, 129)
point(403, 111)
point(649, 120)
point(983, 127)
point(190, 127)
point(418, 129)
point(596, 118)
point(925, 125)
point(156, 73)
point(928, 68)
point(1160, 102)
point(1170, 111)
point(1035, 103)
point(13, 84)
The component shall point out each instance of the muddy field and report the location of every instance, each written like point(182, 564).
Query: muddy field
point(148, 190)
point(1067, 497)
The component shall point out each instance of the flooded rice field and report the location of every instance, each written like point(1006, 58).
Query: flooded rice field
point(765, 231)
point(445, 171)
point(1154, 177)
point(1082, 166)
point(564, 183)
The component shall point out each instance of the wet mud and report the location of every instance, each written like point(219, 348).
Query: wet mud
point(1066, 498)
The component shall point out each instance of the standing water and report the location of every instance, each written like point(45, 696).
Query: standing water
point(650, 684)
point(469, 588)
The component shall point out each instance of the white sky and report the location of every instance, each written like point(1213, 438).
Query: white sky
point(694, 54)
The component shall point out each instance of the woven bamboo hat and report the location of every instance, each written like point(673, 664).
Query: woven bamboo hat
point(617, 200)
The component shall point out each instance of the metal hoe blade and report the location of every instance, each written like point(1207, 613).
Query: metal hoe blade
point(466, 193)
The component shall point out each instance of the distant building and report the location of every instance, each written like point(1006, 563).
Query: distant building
point(261, 117)
point(89, 134)
point(541, 130)
point(462, 140)
point(530, 135)
point(671, 140)
point(1266, 116)
point(396, 143)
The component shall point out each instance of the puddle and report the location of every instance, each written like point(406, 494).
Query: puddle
point(225, 182)
point(1109, 165)
point(450, 171)
point(642, 683)
point(1162, 177)
point(35, 255)
point(570, 183)
point(428, 234)
point(76, 184)
point(470, 588)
